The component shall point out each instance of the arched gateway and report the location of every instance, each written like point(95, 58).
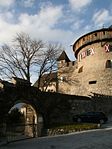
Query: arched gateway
point(14, 93)
point(46, 106)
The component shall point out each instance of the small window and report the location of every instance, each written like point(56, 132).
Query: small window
point(92, 82)
point(109, 64)
point(110, 48)
point(73, 63)
point(88, 52)
point(67, 64)
point(61, 79)
point(80, 69)
point(95, 34)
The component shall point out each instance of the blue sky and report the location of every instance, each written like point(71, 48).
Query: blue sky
point(62, 21)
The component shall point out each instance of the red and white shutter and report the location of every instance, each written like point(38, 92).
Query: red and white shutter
point(107, 47)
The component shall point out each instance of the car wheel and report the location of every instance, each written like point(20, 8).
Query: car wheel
point(102, 121)
point(79, 120)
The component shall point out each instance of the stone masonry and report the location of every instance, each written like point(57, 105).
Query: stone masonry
point(92, 71)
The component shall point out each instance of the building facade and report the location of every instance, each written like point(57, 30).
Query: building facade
point(92, 70)
point(48, 82)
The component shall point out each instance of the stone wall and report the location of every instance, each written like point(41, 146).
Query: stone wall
point(53, 107)
point(103, 103)
point(90, 75)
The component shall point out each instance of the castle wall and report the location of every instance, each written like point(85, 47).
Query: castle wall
point(95, 77)
point(91, 74)
point(53, 107)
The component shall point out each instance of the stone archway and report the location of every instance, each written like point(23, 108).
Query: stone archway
point(31, 127)
point(29, 113)
point(33, 118)
point(48, 106)
point(10, 96)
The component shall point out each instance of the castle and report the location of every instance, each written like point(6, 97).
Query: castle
point(92, 70)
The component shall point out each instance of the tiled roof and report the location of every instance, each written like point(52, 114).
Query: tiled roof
point(63, 56)
point(47, 77)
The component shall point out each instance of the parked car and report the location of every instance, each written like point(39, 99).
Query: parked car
point(91, 117)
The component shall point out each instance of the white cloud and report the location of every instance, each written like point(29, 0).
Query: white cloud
point(6, 16)
point(50, 15)
point(40, 25)
point(6, 3)
point(28, 3)
point(102, 17)
point(77, 5)
point(45, 19)
point(77, 24)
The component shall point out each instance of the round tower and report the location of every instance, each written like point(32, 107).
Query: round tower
point(93, 52)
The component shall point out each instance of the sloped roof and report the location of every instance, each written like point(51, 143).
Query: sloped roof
point(63, 56)
point(110, 26)
point(50, 77)
point(20, 80)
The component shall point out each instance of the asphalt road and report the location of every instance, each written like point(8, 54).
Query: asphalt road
point(95, 139)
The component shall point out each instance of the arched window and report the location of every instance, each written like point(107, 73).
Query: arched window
point(109, 64)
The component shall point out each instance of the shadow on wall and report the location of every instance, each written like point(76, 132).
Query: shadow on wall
point(102, 102)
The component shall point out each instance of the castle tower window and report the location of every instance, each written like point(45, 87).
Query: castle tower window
point(88, 52)
point(73, 63)
point(67, 64)
point(109, 64)
point(61, 79)
point(95, 34)
point(110, 48)
point(80, 69)
point(92, 82)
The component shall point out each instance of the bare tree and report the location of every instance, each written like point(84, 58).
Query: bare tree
point(28, 56)
point(18, 60)
point(48, 63)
